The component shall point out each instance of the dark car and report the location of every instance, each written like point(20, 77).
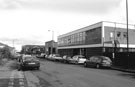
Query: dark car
point(98, 62)
point(28, 61)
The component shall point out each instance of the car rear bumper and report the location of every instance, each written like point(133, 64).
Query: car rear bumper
point(31, 66)
point(81, 62)
point(106, 65)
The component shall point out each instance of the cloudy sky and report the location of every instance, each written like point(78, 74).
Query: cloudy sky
point(28, 21)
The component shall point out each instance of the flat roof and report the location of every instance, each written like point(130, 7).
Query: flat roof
point(100, 24)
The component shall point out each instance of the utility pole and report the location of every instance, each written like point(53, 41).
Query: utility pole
point(52, 41)
point(114, 42)
point(127, 32)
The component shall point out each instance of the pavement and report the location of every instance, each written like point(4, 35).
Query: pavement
point(123, 69)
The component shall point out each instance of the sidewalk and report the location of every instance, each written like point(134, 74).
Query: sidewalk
point(123, 69)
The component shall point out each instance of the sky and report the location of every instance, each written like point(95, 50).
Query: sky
point(32, 22)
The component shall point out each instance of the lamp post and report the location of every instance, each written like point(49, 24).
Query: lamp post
point(114, 41)
point(52, 40)
point(127, 31)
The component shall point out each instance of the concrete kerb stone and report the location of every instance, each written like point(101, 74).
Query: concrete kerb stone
point(123, 70)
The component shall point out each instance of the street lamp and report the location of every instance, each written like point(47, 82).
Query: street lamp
point(127, 31)
point(52, 34)
point(112, 35)
point(52, 40)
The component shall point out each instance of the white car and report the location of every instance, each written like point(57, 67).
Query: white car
point(57, 57)
point(50, 57)
point(77, 59)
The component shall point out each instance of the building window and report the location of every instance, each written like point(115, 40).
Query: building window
point(84, 35)
point(111, 34)
point(118, 34)
point(69, 40)
point(73, 38)
point(125, 34)
point(77, 38)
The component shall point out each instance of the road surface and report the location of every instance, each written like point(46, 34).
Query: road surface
point(54, 74)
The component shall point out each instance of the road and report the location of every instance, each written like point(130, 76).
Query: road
point(55, 74)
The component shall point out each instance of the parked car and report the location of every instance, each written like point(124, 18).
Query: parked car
point(66, 58)
point(42, 55)
point(28, 61)
point(46, 56)
point(77, 59)
point(98, 62)
point(51, 57)
point(57, 57)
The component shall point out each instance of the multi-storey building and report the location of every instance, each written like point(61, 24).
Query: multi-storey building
point(103, 38)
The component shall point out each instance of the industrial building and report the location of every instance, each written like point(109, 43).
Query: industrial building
point(103, 38)
point(33, 49)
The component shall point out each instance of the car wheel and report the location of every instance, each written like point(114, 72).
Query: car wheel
point(64, 61)
point(97, 66)
point(85, 65)
point(23, 68)
point(19, 69)
point(37, 68)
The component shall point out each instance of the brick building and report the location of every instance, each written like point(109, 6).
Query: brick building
point(51, 47)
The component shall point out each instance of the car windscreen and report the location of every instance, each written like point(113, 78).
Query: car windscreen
point(28, 58)
point(83, 57)
point(108, 59)
point(57, 55)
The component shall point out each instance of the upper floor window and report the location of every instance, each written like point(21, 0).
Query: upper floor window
point(118, 34)
point(124, 34)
